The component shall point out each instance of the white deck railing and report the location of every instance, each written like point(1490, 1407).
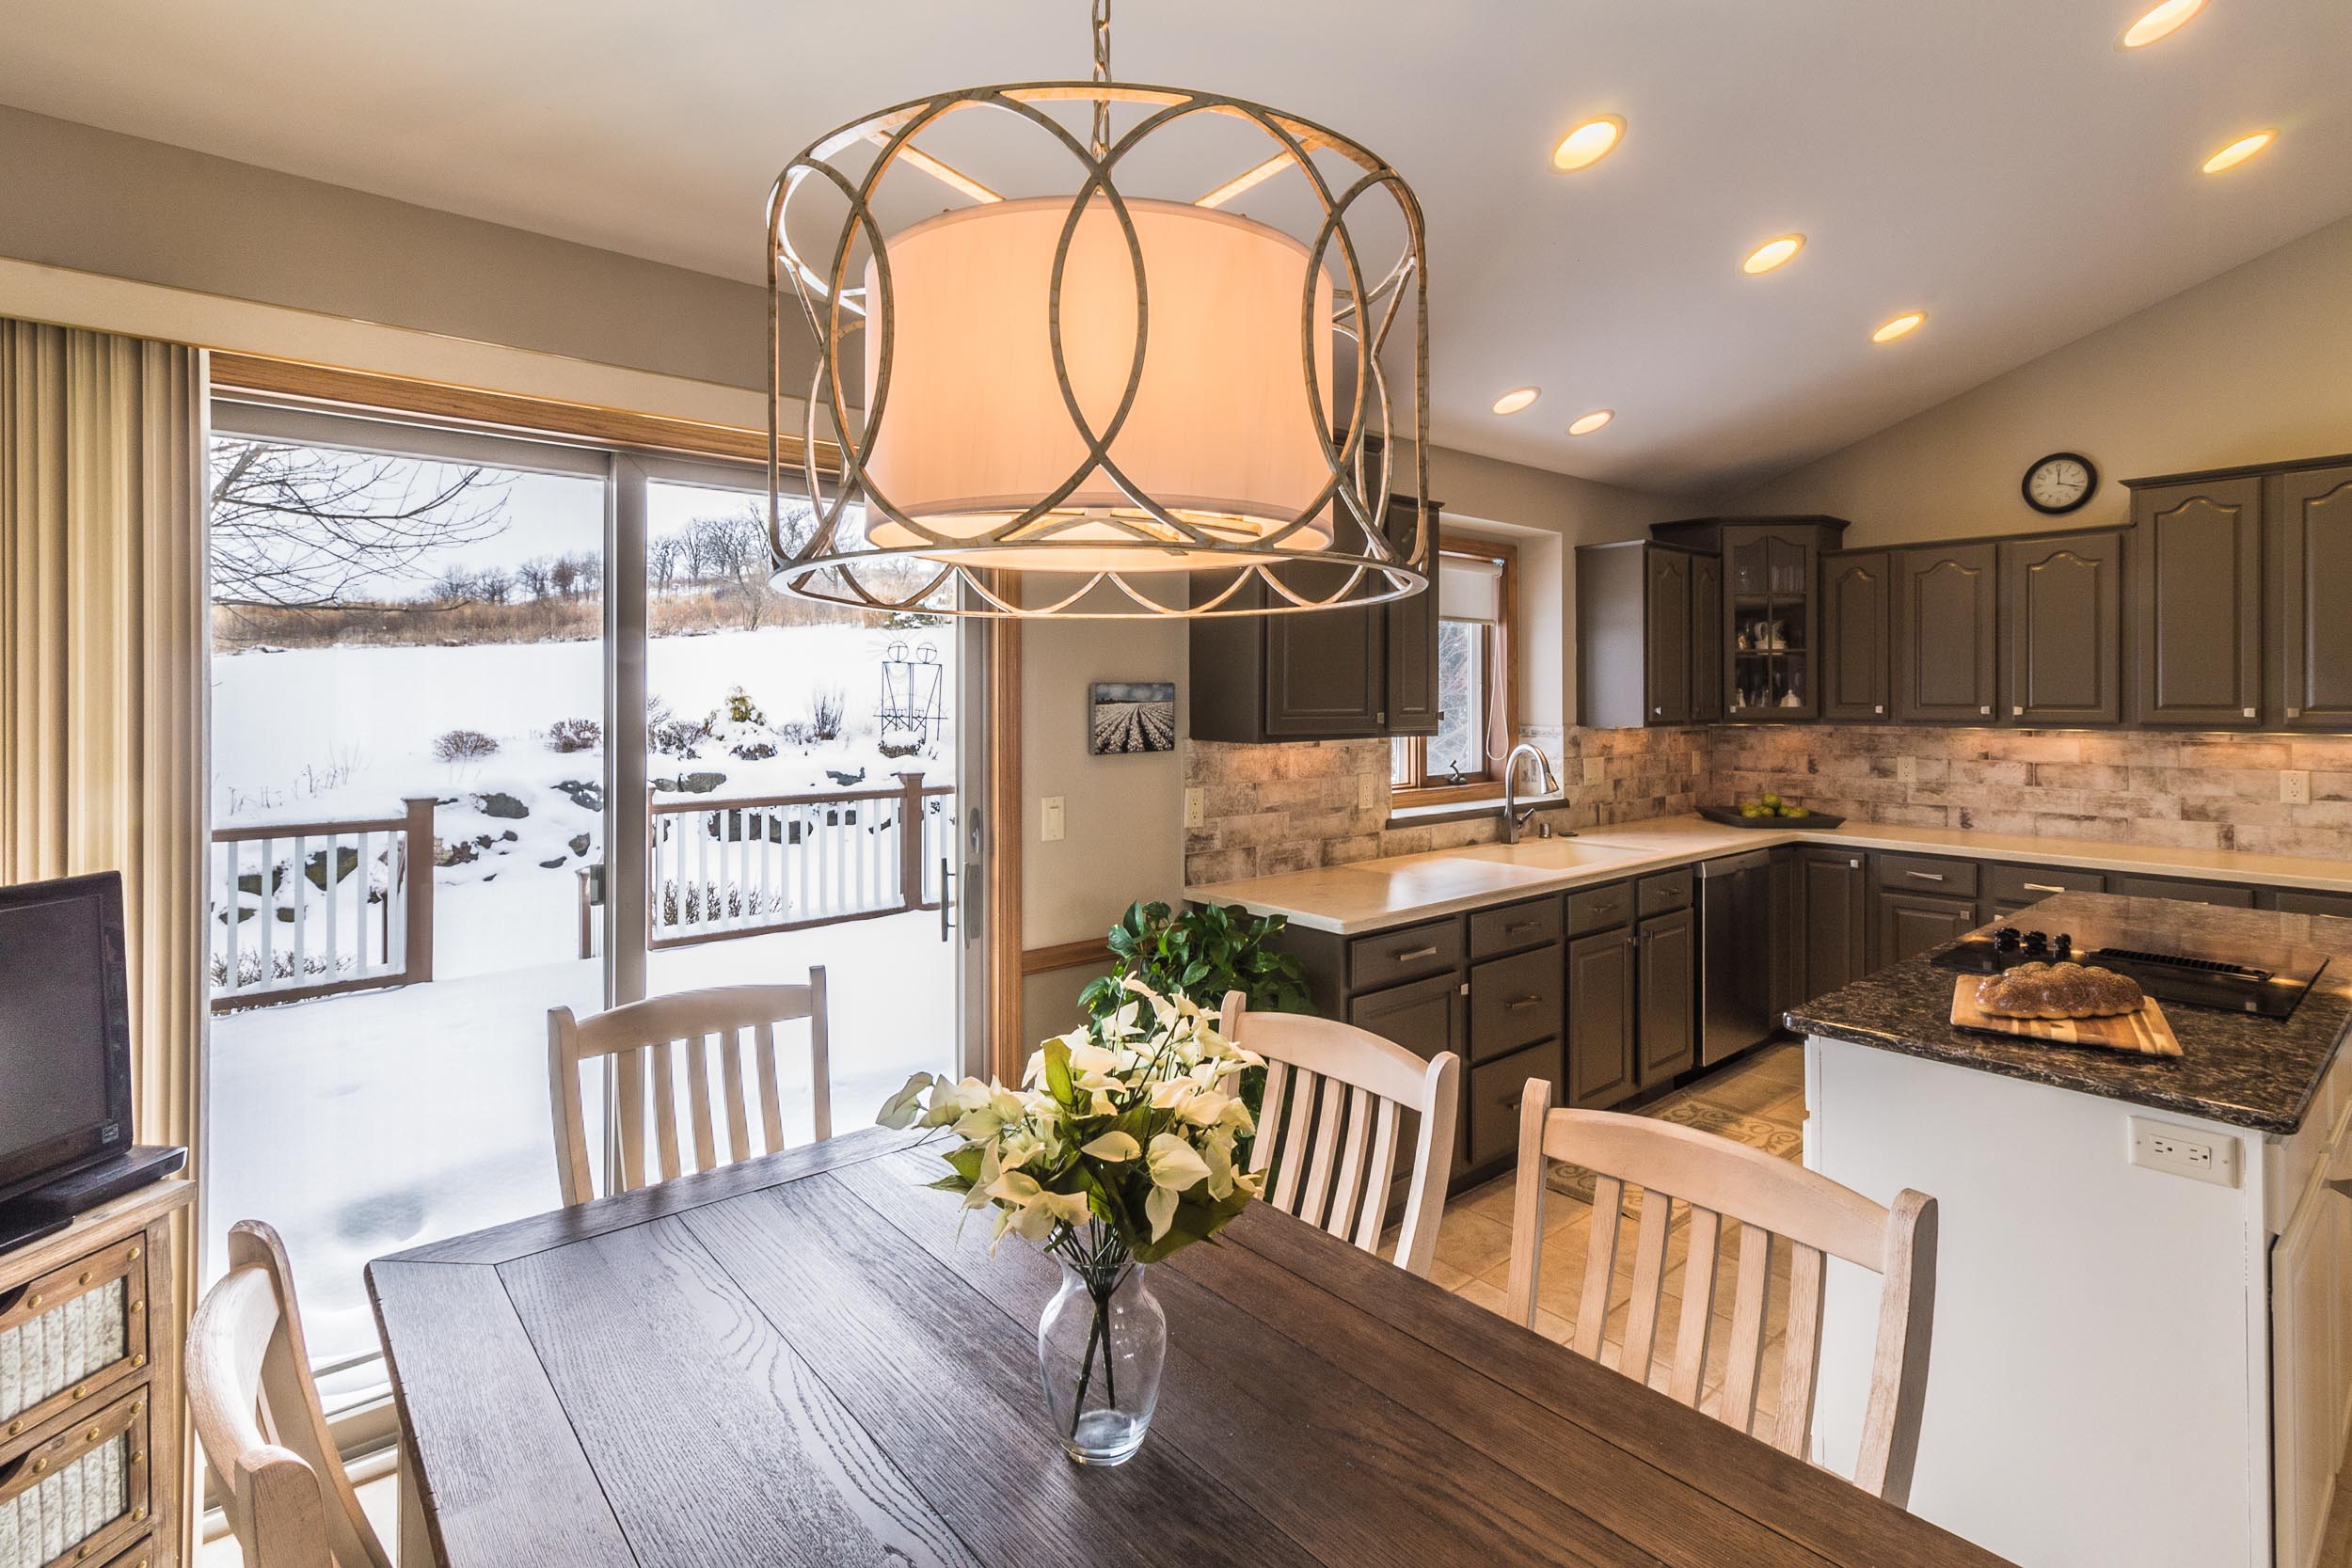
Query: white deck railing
point(310, 909)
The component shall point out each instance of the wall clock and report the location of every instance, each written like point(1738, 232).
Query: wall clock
point(2061, 483)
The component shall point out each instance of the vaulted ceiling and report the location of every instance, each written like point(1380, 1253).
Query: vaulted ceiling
point(2001, 164)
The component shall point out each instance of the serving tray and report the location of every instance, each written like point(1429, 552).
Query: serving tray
point(1731, 818)
point(2143, 1031)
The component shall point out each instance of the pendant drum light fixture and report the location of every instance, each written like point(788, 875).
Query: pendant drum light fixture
point(1104, 403)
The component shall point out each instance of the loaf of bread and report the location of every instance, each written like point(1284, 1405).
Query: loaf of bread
point(2057, 990)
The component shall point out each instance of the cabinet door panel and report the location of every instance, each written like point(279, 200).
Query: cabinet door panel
point(1943, 633)
point(1666, 637)
point(1325, 673)
point(1600, 1019)
point(1666, 963)
point(1854, 620)
point(2183, 887)
point(2197, 604)
point(1412, 639)
point(1909, 924)
point(1707, 638)
point(2307, 1361)
point(1834, 893)
point(2316, 554)
point(2060, 599)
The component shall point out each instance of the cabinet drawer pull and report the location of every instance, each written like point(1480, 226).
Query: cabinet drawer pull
point(1925, 875)
point(1415, 954)
point(2044, 887)
point(1516, 927)
point(1521, 1003)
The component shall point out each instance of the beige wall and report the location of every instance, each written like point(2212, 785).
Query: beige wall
point(2251, 366)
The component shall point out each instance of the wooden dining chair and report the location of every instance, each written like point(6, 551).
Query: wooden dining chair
point(1776, 1205)
point(1328, 1128)
point(257, 1416)
point(645, 1041)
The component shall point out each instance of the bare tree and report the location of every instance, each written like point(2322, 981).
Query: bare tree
point(308, 527)
point(664, 556)
point(535, 577)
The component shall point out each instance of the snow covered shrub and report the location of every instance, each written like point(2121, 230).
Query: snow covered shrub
point(742, 728)
point(793, 732)
point(672, 736)
point(826, 709)
point(465, 745)
point(575, 735)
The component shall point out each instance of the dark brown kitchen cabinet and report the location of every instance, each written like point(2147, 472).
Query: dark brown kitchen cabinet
point(2315, 598)
point(2062, 647)
point(1942, 632)
point(1707, 639)
point(1356, 672)
point(1911, 923)
point(1635, 634)
point(1853, 635)
point(2197, 600)
point(1834, 894)
point(1425, 1017)
point(1666, 972)
point(1600, 1019)
point(2187, 889)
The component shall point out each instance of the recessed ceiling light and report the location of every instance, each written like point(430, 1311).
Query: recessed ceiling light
point(1511, 402)
point(1772, 253)
point(1901, 326)
point(1588, 144)
point(1592, 422)
point(2239, 151)
point(2161, 22)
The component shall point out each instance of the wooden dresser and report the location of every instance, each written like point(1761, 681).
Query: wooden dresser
point(91, 1404)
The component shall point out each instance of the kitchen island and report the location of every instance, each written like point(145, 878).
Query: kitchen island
point(2143, 1334)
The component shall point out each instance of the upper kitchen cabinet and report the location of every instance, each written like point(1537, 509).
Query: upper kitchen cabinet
point(1853, 635)
point(1636, 633)
point(1707, 639)
point(1771, 619)
point(1355, 673)
point(2197, 597)
point(2062, 649)
point(2315, 598)
point(1942, 629)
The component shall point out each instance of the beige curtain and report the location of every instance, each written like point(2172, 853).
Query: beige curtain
point(101, 662)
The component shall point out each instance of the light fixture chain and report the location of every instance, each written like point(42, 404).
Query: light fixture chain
point(1102, 73)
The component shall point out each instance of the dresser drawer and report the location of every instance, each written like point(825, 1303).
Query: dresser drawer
point(81, 1496)
point(2030, 884)
point(1495, 1091)
point(1515, 926)
point(1596, 908)
point(1407, 953)
point(1665, 893)
point(1515, 1002)
point(68, 1336)
point(1920, 873)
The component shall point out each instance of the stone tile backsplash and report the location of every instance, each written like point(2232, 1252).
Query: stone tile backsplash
point(1292, 807)
point(1288, 808)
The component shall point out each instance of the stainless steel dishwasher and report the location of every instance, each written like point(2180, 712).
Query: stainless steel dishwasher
point(1735, 955)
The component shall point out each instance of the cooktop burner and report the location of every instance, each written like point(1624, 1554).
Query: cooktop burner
point(2186, 977)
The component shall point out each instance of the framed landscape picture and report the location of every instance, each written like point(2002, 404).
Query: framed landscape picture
point(1132, 716)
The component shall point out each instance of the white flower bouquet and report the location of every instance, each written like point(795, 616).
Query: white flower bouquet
point(1118, 1149)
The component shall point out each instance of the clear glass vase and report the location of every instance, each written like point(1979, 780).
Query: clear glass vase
point(1100, 1347)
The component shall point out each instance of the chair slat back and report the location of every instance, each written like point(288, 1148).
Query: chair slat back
point(1779, 1210)
point(258, 1417)
point(1328, 1128)
point(646, 1043)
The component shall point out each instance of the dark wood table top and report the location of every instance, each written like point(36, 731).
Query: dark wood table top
point(796, 1360)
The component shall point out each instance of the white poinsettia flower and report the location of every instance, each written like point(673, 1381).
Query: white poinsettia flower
point(1093, 1068)
point(986, 1178)
point(1176, 1168)
point(1217, 1155)
point(1111, 1147)
point(1205, 1108)
point(901, 1108)
point(1170, 1093)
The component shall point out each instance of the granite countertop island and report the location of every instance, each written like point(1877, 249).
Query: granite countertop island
point(2259, 1074)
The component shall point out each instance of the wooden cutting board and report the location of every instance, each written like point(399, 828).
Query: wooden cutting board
point(2144, 1031)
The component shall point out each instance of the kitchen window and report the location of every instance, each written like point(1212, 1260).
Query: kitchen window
point(1477, 588)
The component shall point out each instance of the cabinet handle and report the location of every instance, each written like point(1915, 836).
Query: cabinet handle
point(2044, 887)
point(1878, 707)
point(1416, 954)
point(2249, 713)
point(2016, 710)
point(1381, 717)
point(1854, 865)
point(1925, 875)
point(1515, 927)
point(1986, 710)
point(1523, 1002)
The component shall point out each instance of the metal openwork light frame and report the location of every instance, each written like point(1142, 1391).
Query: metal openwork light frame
point(835, 563)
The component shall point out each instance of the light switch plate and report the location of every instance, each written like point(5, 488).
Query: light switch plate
point(1049, 819)
point(2191, 1152)
point(1195, 809)
point(2295, 787)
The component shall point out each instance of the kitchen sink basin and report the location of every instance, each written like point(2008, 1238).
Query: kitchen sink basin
point(1554, 854)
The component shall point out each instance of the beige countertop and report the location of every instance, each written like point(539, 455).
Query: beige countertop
point(1369, 895)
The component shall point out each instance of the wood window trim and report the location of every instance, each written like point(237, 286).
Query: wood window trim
point(1486, 784)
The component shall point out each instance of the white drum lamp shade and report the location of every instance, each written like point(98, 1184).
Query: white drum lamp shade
point(975, 430)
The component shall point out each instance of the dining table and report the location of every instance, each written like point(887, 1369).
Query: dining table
point(814, 1359)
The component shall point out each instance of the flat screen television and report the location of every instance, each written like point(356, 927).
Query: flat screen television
point(65, 1030)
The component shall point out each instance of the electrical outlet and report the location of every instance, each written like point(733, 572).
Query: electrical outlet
point(1195, 809)
point(1367, 793)
point(2295, 787)
point(2185, 1151)
point(1907, 772)
point(1049, 819)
